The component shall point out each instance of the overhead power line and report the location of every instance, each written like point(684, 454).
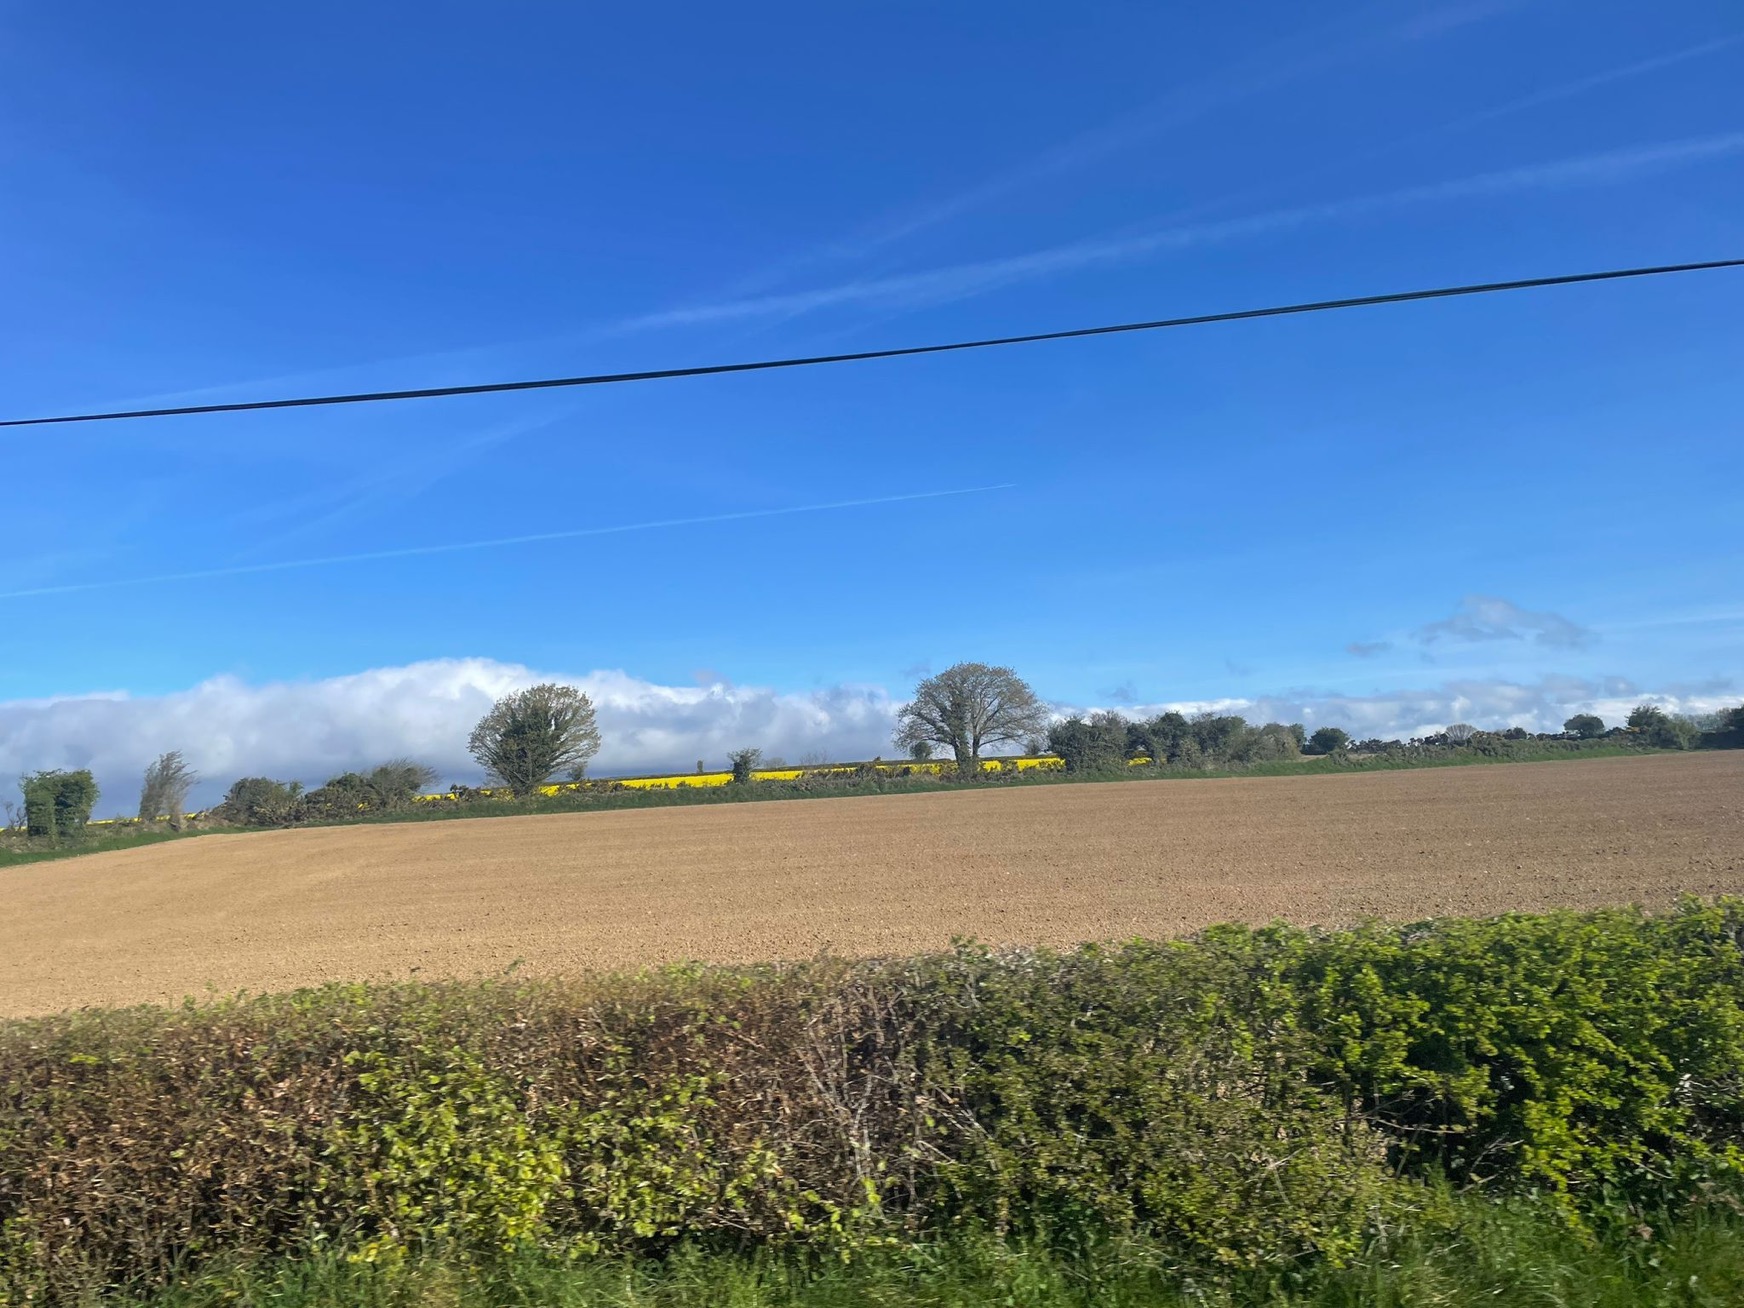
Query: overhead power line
point(906, 351)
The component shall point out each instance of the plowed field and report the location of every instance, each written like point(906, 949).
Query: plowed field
point(1048, 864)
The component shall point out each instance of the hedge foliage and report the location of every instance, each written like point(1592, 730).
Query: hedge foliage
point(1247, 1099)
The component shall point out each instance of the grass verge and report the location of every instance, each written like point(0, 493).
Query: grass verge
point(1518, 1254)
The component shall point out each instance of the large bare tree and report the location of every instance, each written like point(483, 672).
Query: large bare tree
point(968, 707)
point(531, 735)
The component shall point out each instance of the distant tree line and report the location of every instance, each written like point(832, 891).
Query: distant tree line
point(1107, 741)
point(531, 736)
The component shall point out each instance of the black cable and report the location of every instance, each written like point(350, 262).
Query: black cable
point(708, 370)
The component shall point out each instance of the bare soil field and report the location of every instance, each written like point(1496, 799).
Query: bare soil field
point(901, 873)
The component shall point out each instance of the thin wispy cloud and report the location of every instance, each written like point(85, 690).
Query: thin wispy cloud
point(1271, 68)
point(394, 483)
point(1581, 85)
point(958, 281)
point(1524, 104)
point(458, 547)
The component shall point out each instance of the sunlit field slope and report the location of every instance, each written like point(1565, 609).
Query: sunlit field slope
point(1057, 864)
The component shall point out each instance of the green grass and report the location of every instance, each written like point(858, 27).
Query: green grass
point(15, 851)
point(1518, 1255)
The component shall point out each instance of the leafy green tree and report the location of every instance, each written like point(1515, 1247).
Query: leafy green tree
point(968, 707)
point(531, 735)
point(1162, 738)
point(1646, 717)
point(921, 751)
point(1327, 740)
point(1728, 732)
point(58, 803)
point(164, 792)
point(1275, 741)
point(1223, 738)
point(1660, 729)
point(1096, 745)
point(745, 763)
point(1585, 726)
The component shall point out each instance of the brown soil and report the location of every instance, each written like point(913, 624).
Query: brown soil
point(1049, 864)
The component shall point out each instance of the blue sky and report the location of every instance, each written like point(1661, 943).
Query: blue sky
point(1493, 508)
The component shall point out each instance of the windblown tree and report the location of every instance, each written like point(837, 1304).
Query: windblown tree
point(164, 792)
point(1586, 726)
point(530, 736)
point(968, 707)
point(396, 783)
point(391, 786)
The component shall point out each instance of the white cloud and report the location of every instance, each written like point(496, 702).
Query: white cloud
point(1488, 617)
point(311, 730)
point(458, 547)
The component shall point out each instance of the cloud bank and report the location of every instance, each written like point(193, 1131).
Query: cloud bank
point(311, 730)
point(1543, 705)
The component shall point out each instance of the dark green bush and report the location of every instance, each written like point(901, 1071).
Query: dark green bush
point(57, 803)
point(262, 802)
point(1250, 1099)
point(1098, 744)
point(1661, 730)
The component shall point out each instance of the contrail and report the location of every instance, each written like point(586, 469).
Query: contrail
point(421, 551)
point(956, 281)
